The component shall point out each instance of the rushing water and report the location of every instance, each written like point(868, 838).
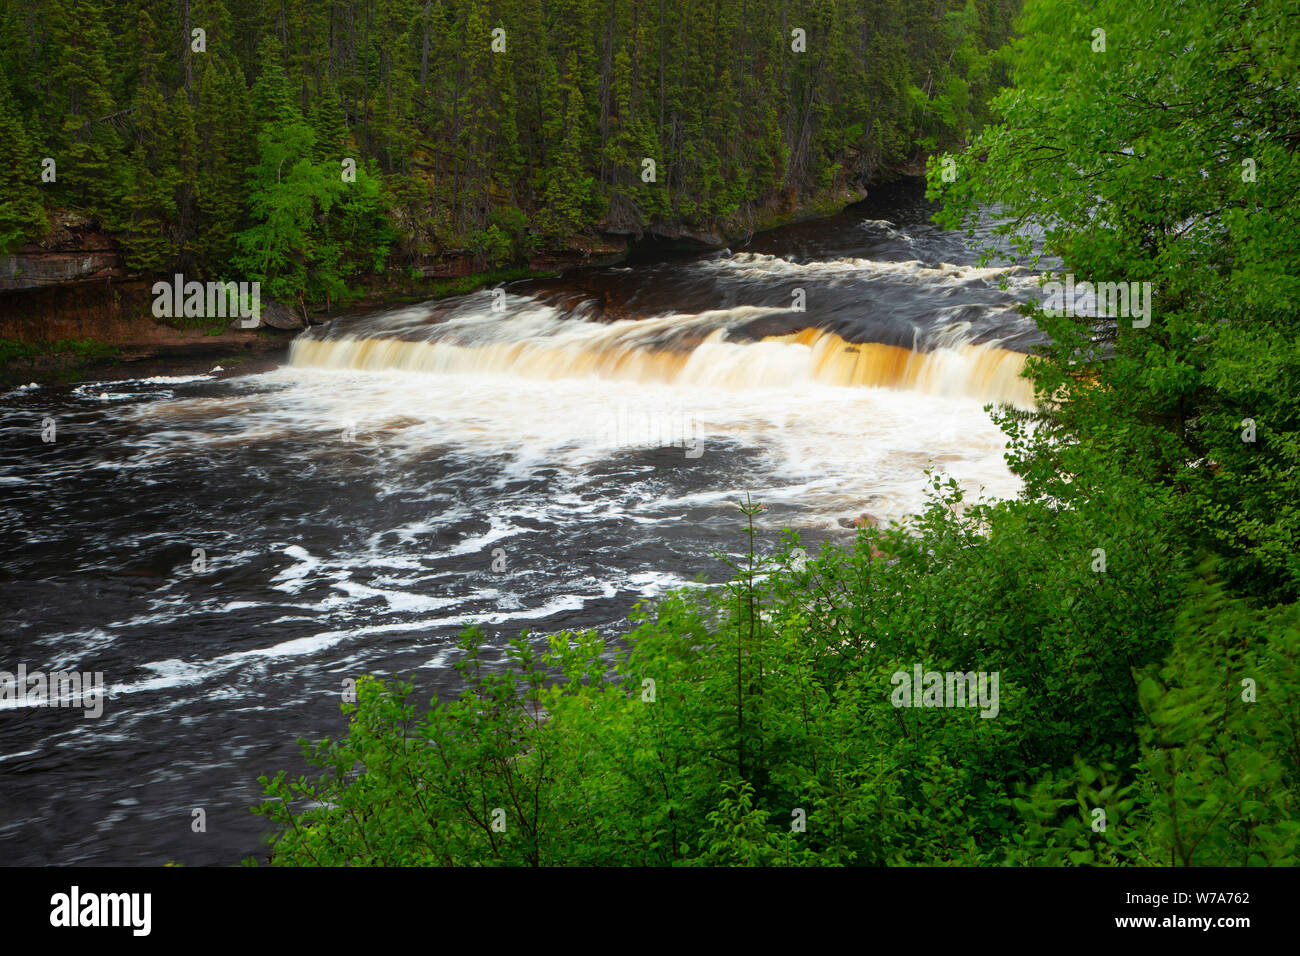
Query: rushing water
point(540, 459)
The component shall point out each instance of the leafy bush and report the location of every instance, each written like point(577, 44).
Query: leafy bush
point(752, 723)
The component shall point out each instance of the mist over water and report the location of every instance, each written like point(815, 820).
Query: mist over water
point(597, 430)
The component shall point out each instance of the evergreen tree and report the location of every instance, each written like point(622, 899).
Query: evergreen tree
point(146, 218)
point(224, 135)
point(85, 144)
point(22, 211)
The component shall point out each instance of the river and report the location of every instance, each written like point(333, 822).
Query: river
point(539, 457)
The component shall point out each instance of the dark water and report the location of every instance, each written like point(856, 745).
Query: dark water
point(351, 505)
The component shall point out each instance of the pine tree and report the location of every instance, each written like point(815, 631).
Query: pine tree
point(86, 146)
point(330, 123)
point(145, 218)
point(274, 101)
point(224, 136)
point(22, 211)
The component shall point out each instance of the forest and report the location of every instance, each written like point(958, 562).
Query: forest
point(313, 144)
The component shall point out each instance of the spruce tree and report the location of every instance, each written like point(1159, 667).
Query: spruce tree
point(22, 211)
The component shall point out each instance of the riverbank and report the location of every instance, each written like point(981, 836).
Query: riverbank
point(104, 328)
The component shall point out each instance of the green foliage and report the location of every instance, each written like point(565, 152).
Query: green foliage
point(1221, 761)
point(225, 164)
point(1134, 181)
point(1193, 416)
point(22, 213)
point(311, 228)
point(1080, 816)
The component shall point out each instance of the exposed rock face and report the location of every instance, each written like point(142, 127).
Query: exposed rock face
point(705, 238)
point(279, 316)
point(108, 311)
point(584, 251)
point(74, 251)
